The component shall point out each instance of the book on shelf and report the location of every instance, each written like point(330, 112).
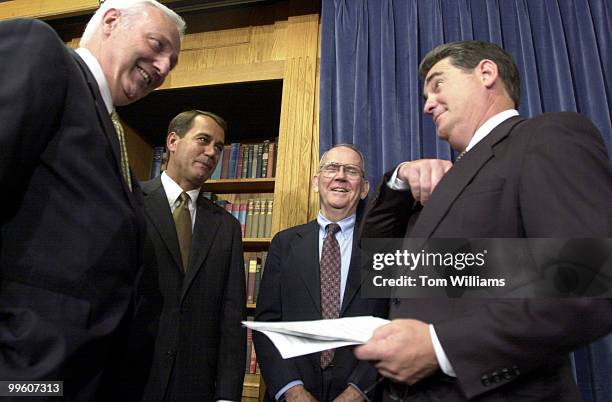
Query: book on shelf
point(242, 211)
point(272, 159)
point(256, 218)
point(225, 162)
point(253, 360)
point(156, 163)
point(233, 160)
point(265, 154)
point(216, 174)
point(268, 218)
point(251, 279)
point(249, 219)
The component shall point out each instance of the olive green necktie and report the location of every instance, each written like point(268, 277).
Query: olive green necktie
point(125, 163)
point(182, 222)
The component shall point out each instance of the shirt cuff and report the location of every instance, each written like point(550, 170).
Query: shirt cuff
point(364, 396)
point(443, 361)
point(284, 389)
point(396, 183)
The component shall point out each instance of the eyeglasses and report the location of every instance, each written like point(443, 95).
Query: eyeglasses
point(330, 169)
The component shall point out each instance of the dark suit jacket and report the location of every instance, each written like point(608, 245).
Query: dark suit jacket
point(290, 291)
point(543, 177)
point(71, 230)
point(193, 318)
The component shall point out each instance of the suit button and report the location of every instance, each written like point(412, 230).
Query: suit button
point(506, 374)
point(396, 302)
point(495, 377)
point(485, 380)
point(170, 354)
point(516, 371)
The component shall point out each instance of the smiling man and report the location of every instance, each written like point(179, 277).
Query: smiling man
point(191, 297)
point(544, 177)
point(312, 272)
point(72, 227)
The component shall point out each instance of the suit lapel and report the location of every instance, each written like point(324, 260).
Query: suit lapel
point(457, 179)
point(105, 121)
point(158, 211)
point(307, 252)
point(353, 280)
point(204, 232)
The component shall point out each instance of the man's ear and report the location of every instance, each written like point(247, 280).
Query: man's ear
point(110, 20)
point(488, 72)
point(365, 189)
point(171, 141)
point(315, 183)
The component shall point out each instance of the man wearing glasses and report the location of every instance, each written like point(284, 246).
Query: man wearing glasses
point(312, 273)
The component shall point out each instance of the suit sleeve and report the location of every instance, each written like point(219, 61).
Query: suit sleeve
point(232, 348)
point(388, 213)
point(33, 76)
point(277, 372)
point(565, 192)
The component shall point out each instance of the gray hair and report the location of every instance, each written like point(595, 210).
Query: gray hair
point(129, 8)
point(350, 146)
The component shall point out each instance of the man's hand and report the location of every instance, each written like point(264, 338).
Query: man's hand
point(401, 350)
point(423, 176)
point(299, 394)
point(350, 394)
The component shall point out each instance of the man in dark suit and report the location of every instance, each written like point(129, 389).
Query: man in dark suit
point(71, 225)
point(191, 297)
point(291, 288)
point(542, 177)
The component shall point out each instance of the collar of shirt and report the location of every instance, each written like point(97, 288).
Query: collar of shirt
point(96, 69)
point(346, 226)
point(489, 125)
point(173, 191)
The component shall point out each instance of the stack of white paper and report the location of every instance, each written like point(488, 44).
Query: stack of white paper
point(297, 338)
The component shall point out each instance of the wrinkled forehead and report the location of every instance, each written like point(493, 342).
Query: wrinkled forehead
point(343, 155)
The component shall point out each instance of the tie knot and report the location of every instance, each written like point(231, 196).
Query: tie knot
point(184, 199)
point(332, 228)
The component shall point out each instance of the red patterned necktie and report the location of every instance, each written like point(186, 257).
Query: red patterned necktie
point(330, 282)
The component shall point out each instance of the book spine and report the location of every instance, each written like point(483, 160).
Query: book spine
point(261, 219)
point(249, 219)
point(240, 163)
point(255, 220)
point(259, 159)
point(268, 219)
point(254, 161)
point(242, 212)
point(216, 174)
point(265, 155)
point(249, 160)
point(271, 160)
point(225, 162)
point(251, 281)
point(233, 163)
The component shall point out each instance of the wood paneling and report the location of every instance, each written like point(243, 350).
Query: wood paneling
point(46, 8)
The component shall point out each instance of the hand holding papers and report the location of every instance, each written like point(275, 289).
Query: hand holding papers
point(297, 338)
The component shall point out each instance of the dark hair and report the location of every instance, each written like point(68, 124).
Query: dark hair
point(467, 54)
point(183, 122)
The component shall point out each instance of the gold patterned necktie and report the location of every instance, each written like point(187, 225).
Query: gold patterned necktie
point(330, 282)
point(182, 222)
point(125, 163)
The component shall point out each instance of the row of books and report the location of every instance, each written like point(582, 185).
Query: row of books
point(254, 215)
point(251, 366)
point(254, 263)
point(247, 161)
